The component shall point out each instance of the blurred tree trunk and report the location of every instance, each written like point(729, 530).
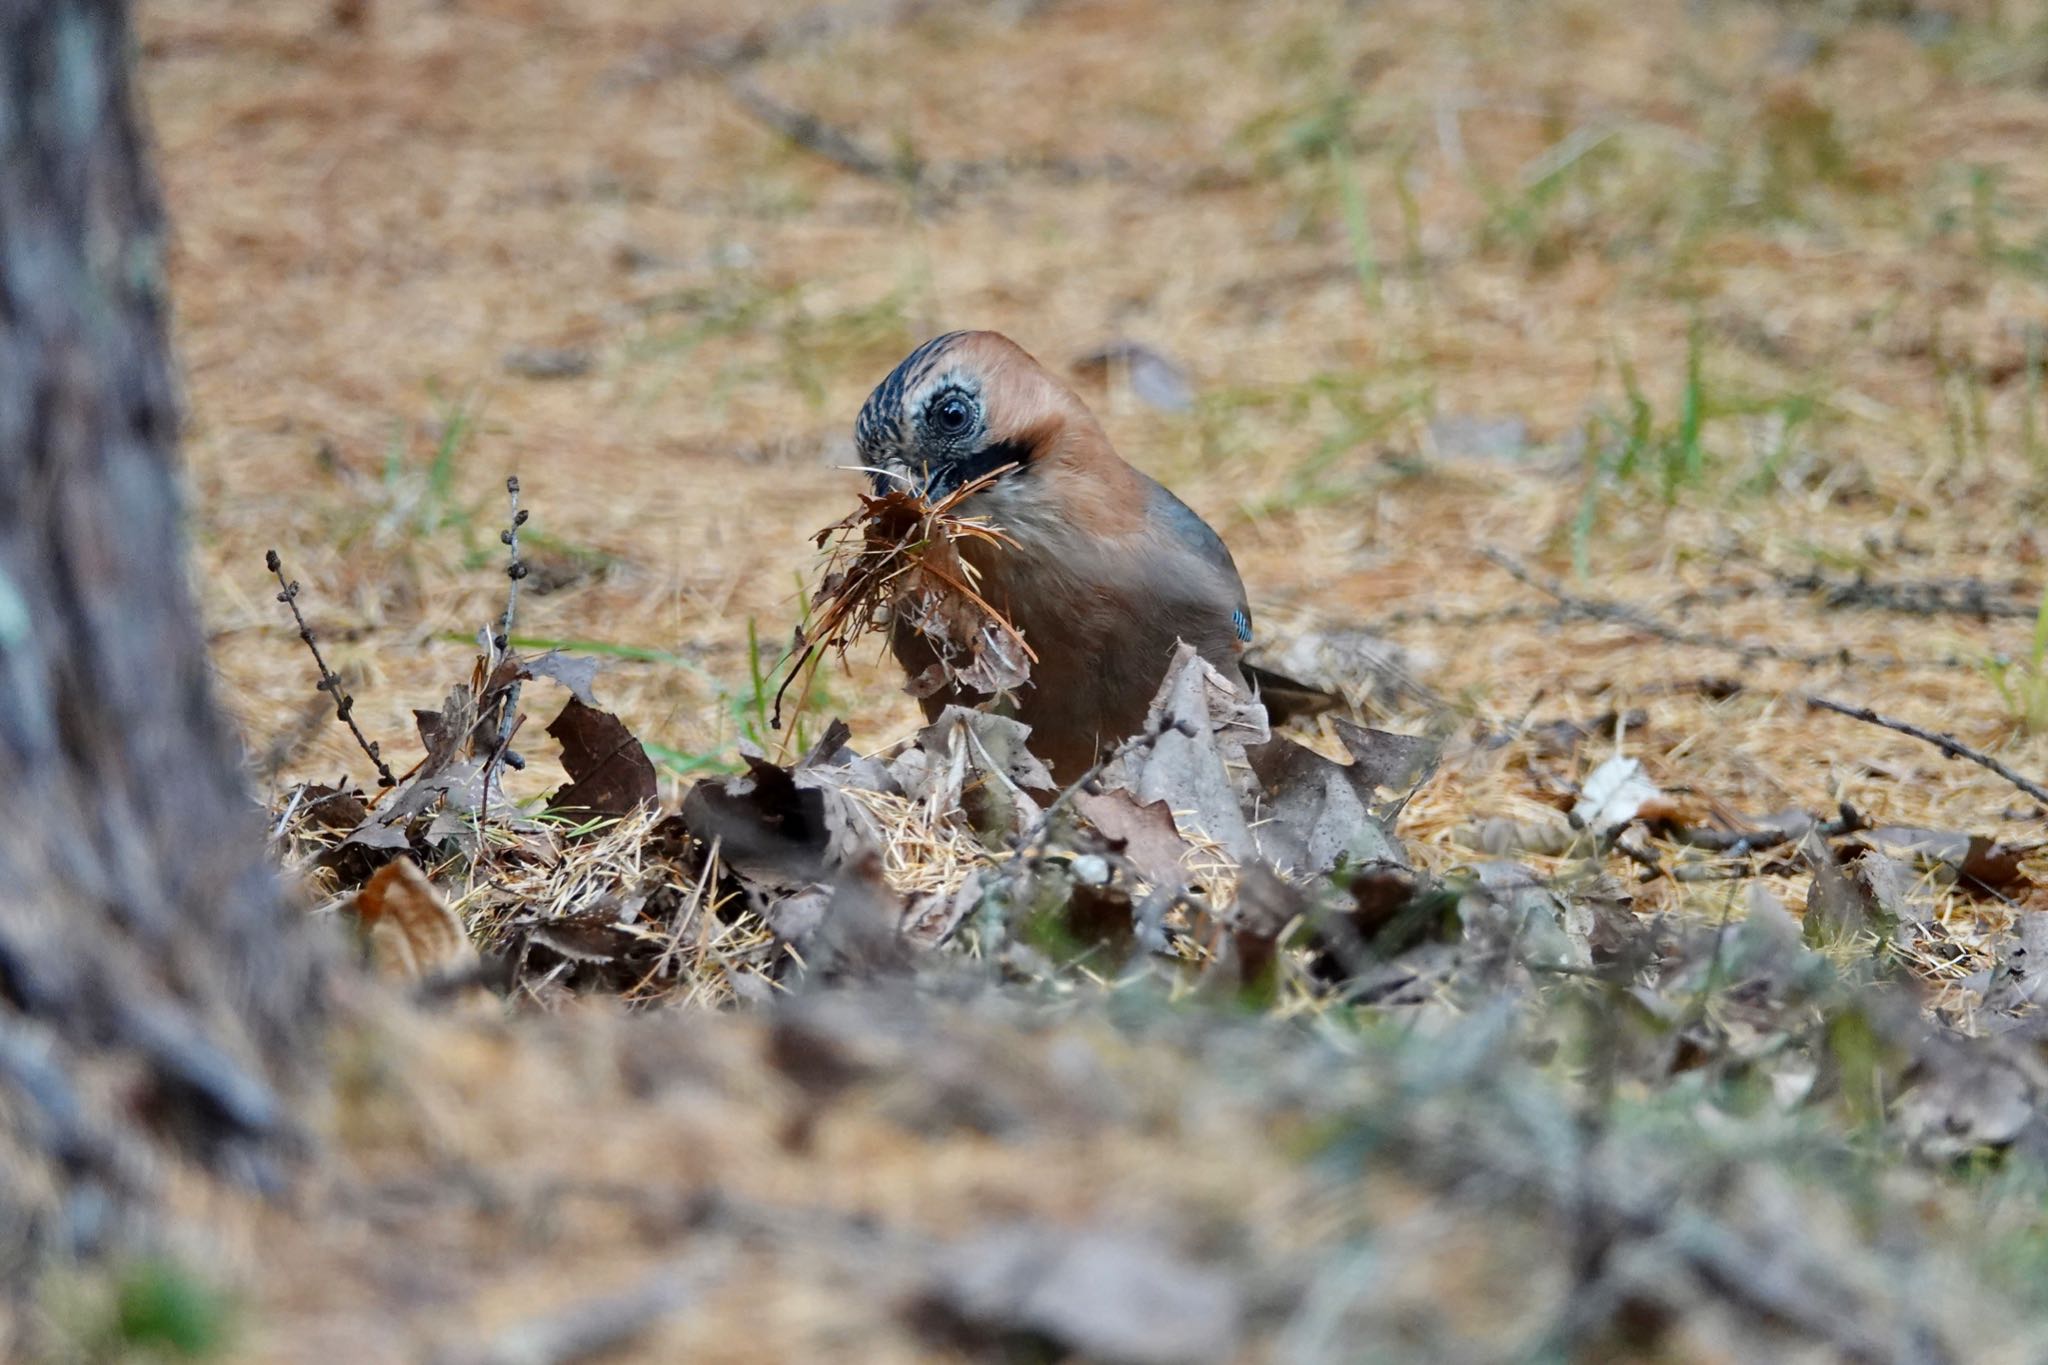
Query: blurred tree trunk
point(156, 992)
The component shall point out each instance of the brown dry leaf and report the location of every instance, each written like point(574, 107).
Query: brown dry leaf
point(931, 917)
point(1512, 915)
point(411, 932)
point(1265, 906)
point(609, 771)
point(1836, 907)
point(1143, 833)
point(1971, 1096)
point(444, 732)
point(1318, 813)
point(1384, 759)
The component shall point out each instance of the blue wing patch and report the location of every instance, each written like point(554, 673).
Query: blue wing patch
point(1242, 619)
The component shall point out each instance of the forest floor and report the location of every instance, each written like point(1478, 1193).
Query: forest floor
point(1631, 374)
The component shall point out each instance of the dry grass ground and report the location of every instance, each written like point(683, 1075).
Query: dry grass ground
point(1764, 287)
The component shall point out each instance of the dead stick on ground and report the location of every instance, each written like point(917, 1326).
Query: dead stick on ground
point(1948, 744)
point(813, 134)
point(330, 681)
point(1626, 614)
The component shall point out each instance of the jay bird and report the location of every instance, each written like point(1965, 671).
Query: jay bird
point(1106, 571)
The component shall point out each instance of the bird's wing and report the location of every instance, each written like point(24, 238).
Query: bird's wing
point(1182, 522)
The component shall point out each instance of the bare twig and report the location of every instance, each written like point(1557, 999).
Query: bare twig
point(810, 132)
point(1948, 744)
point(937, 184)
point(761, 41)
point(515, 573)
point(1739, 843)
point(330, 681)
point(934, 184)
point(1915, 597)
point(1634, 617)
point(501, 644)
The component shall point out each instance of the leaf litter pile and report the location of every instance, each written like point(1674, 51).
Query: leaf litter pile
point(1216, 858)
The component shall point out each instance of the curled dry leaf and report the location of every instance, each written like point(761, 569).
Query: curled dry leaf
point(1973, 861)
point(411, 932)
point(1318, 813)
point(1510, 914)
point(779, 830)
point(899, 560)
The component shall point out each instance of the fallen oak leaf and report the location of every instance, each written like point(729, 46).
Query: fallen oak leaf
point(445, 775)
point(1313, 817)
point(1385, 759)
point(975, 762)
point(1143, 833)
point(458, 788)
point(1837, 908)
point(443, 732)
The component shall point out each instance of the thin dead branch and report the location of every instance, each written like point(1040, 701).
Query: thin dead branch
point(501, 647)
point(813, 134)
point(1972, 597)
point(330, 681)
point(1948, 744)
point(1636, 618)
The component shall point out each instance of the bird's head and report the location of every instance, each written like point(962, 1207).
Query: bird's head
point(963, 405)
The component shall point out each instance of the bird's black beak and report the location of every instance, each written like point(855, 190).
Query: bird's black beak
point(929, 482)
point(939, 480)
point(894, 478)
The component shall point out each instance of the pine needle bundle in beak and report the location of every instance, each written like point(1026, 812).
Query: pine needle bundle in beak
point(898, 558)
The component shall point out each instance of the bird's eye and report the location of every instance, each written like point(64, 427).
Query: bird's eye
point(950, 414)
